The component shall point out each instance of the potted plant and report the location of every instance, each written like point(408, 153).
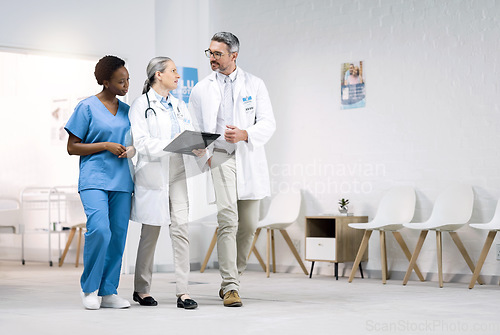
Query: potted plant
point(343, 205)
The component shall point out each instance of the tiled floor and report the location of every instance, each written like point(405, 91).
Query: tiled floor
point(37, 299)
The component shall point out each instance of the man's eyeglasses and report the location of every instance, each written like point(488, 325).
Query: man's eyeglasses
point(217, 55)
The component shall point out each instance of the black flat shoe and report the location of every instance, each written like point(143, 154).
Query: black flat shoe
point(147, 301)
point(187, 303)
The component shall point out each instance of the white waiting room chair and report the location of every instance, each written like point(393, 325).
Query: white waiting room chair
point(283, 212)
point(396, 208)
point(452, 210)
point(10, 216)
point(493, 227)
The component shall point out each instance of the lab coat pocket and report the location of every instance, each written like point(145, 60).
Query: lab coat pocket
point(249, 104)
point(148, 175)
point(249, 107)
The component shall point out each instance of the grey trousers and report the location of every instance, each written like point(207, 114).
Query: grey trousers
point(179, 207)
point(237, 221)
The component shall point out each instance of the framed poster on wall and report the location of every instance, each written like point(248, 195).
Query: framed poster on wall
point(189, 78)
point(352, 85)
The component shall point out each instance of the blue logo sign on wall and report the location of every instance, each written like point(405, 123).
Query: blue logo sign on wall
point(189, 78)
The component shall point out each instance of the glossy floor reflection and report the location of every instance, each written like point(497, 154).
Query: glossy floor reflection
point(37, 299)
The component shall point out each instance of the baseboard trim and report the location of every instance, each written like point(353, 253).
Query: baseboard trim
point(344, 272)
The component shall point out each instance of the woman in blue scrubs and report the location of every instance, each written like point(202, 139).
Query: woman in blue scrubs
point(98, 130)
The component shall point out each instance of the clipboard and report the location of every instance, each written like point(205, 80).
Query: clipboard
point(190, 140)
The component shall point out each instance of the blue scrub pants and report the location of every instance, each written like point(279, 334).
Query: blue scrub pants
point(108, 215)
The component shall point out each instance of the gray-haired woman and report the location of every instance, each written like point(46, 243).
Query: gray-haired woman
point(162, 190)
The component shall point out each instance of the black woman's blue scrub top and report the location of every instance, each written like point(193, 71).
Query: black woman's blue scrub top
point(92, 122)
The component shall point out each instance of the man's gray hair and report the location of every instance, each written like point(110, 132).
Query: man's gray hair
point(229, 39)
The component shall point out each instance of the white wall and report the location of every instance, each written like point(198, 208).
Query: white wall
point(87, 30)
point(432, 109)
point(182, 32)
point(65, 28)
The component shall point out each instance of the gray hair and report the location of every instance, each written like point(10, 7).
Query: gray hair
point(229, 39)
point(155, 64)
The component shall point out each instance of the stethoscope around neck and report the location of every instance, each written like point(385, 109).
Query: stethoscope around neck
point(179, 113)
point(153, 126)
point(149, 108)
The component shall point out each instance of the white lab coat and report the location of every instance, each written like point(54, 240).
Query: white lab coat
point(150, 204)
point(254, 115)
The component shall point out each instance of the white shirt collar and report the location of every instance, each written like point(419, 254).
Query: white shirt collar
point(161, 98)
point(232, 76)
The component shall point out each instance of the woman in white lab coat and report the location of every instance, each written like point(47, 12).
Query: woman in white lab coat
point(162, 183)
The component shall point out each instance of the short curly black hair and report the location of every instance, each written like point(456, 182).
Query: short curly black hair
point(106, 66)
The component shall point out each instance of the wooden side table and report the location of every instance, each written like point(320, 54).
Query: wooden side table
point(330, 239)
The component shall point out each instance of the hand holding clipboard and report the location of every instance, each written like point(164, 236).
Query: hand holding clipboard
point(190, 140)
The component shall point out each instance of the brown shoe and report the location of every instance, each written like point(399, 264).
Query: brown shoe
point(232, 299)
point(221, 294)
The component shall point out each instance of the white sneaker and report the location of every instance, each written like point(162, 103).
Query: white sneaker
point(114, 301)
point(90, 300)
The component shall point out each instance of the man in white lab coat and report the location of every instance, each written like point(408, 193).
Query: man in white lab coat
point(235, 104)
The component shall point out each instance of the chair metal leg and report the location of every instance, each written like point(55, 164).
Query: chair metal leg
point(383, 257)
point(464, 253)
point(361, 271)
point(336, 271)
point(209, 251)
point(406, 251)
point(361, 251)
point(414, 256)
point(294, 251)
point(312, 268)
point(23, 261)
point(439, 248)
point(486, 248)
point(68, 243)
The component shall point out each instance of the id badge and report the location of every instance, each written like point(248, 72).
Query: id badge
point(249, 104)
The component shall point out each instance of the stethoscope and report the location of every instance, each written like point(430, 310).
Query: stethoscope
point(179, 113)
point(149, 108)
